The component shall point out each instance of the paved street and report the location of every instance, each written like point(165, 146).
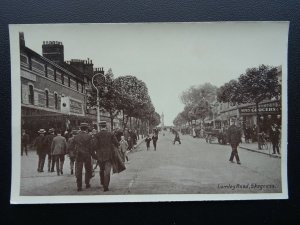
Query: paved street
point(190, 168)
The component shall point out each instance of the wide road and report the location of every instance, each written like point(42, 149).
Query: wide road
point(194, 167)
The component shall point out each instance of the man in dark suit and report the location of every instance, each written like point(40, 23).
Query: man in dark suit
point(49, 138)
point(106, 142)
point(234, 135)
point(41, 149)
point(83, 148)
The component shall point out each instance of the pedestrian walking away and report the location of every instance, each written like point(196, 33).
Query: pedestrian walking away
point(123, 148)
point(58, 151)
point(24, 142)
point(148, 140)
point(84, 153)
point(71, 150)
point(234, 136)
point(106, 142)
point(41, 149)
point(177, 137)
point(155, 138)
point(48, 139)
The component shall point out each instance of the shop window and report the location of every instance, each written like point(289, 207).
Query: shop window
point(47, 98)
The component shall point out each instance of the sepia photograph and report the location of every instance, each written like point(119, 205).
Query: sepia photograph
point(149, 112)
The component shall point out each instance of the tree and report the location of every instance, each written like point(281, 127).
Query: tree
point(256, 85)
point(133, 95)
point(197, 101)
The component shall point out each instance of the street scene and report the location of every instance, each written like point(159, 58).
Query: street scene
point(179, 108)
point(194, 167)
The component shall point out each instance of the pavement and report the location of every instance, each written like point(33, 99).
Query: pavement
point(194, 167)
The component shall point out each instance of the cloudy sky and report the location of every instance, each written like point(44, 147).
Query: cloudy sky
point(169, 57)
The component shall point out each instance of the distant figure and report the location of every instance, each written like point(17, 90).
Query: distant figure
point(24, 142)
point(123, 148)
point(148, 140)
point(154, 139)
point(194, 133)
point(234, 135)
point(41, 149)
point(177, 137)
point(58, 150)
point(274, 137)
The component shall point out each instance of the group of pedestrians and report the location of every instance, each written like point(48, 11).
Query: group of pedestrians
point(82, 147)
point(153, 138)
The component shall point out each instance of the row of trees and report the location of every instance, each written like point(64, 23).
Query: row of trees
point(197, 101)
point(254, 86)
point(126, 95)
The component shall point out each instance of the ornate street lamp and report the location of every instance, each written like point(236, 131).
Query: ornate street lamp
point(97, 86)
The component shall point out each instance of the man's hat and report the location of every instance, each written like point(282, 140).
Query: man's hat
point(84, 125)
point(74, 132)
point(41, 131)
point(51, 130)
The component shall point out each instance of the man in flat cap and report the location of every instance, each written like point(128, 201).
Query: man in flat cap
point(82, 142)
point(106, 142)
point(234, 135)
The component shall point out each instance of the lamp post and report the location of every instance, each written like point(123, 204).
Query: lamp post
point(98, 97)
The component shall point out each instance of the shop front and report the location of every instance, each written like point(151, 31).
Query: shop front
point(269, 112)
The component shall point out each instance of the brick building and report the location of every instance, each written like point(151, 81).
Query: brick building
point(53, 92)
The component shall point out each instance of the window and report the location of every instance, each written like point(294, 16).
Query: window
point(62, 79)
point(56, 101)
point(31, 95)
point(82, 88)
point(47, 98)
point(76, 85)
point(69, 82)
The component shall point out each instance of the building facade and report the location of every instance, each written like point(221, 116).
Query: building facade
point(53, 92)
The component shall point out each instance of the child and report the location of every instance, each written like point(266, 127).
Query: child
point(148, 140)
point(123, 148)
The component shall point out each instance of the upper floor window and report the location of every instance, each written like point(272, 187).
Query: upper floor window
point(62, 78)
point(69, 82)
point(31, 95)
point(47, 98)
point(56, 101)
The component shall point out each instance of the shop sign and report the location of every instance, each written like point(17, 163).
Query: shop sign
point(271, 107)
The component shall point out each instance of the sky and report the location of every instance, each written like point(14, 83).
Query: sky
point(169, 57)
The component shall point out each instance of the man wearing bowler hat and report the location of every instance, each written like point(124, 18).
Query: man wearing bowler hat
point(234, 135)
point(83, 148)
point(41, 149)
point(106, 142)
